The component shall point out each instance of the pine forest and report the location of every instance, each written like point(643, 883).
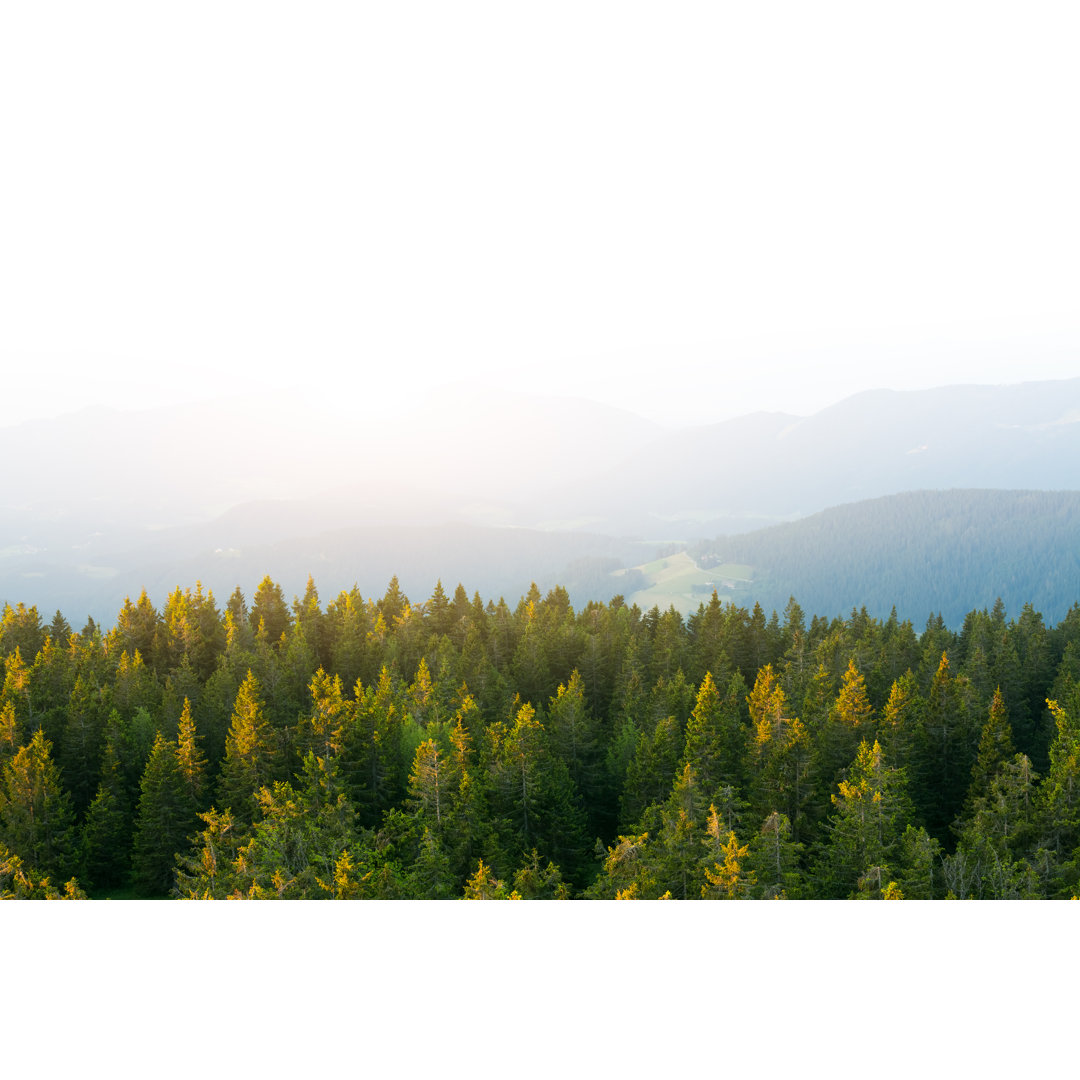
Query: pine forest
point(462, 748)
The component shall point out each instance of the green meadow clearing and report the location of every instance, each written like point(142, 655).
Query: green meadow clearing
point(677, 580)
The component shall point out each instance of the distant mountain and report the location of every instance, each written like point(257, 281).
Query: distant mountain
point(457, 451)
point(290, 541)
point(771, 467)
point(98, 503)
point(925, 552)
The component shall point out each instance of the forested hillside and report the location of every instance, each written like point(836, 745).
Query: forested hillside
point(921, 551)
point(461, 747)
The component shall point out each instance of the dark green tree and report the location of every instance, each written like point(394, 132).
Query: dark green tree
point(37, 821)
point(108, 829)
point(164, 819)
point(871, 812)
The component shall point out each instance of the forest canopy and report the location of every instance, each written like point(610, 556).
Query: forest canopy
point(458, 747)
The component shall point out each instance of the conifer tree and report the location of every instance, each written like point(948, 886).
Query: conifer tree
point(871, 812)
point(535, 793)
point(107, 830)
point(21, 882)
point(626, 874)
point(10, 739)
point(1059, 794)
point(137, 628)
point(651, 771)
point(431, 877)
point(483, 885)
point(16, 689)
point(781, 759)
point(37, 821)
point(918, 870)
point(209, 870)
point(191, 760)
point(251, 755)
point(163, 821)
point(471, 824)
point(575, 738)
point(995, 748)
point(81, 744)
point(322, 729)
point(675, 856)
point(374, 765)
point(270, 615)
point(850, 721)
point(774, 860)
point(715, 737)
point(1004, 815)
point(898, 718)
point(432, 782)
point(294, 850)
point(945, 745)
point(532, 882)
point(729, 876)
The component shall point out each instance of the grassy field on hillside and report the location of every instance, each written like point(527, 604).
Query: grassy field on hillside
point(677, 580)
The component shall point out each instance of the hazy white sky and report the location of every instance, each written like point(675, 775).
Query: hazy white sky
point(690, 210)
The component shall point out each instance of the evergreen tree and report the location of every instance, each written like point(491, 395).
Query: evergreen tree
point(210, 870)
point(850, 721)
point(191, 760)
point(322, 729)
point(626, 874)
point(651, 770)
point(37, 821)
point(716, 740)
point(774, 860)
point(675, 857)
point(270, 617)
point(21, 882)
point(871, 812)
point(575, 738)
point(533, 883)
point(1059, 794)
point(535, 793)
point(431, 877)
point(294, 850)
point(81, 744)
point(729, 877)
point(945, 745)
point(163, 821)
point(10, 738)
point(919, 858)
point(899, 718)
point(250, 755)
point(483, 885)
point(781, 760)
point(432, 782)
point(1004, 816)
point(995, 748)
point(374, 764)
point(107, 830)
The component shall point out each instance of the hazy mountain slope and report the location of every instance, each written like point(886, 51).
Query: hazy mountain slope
point(494, 561)
point(101, 468)
point(695, 481)
point(771, 467)
point(95, 499)
point(924, 551)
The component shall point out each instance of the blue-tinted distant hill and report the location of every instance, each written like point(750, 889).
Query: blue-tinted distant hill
point(922, 551)
point(767, 468)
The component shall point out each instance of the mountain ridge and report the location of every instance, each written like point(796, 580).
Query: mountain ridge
point(114, 493)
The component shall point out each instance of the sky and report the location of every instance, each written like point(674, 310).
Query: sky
point(691, 210)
